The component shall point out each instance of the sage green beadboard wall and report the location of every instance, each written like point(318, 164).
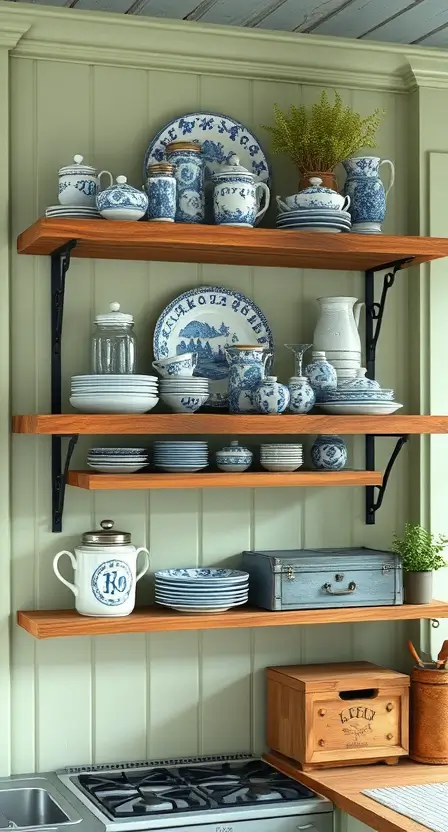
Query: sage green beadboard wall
point(127, 697)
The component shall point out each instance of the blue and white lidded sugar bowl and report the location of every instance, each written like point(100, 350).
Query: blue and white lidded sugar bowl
point(161, 191)
point(236, 195)
point(271, 397)
point(122, 202)
point(315, 196)
point(79, 184)
point(321, 375)
point(329, 453)
point(233, 458)
point(302, 395)
point(188, 163)
point(105, 572)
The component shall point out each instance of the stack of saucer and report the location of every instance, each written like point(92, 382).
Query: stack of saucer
point(184, 394)
point(280, 456)
point(114, 393)
point(81, 212)
point(118, 460)
point(201, 590)
point(180, 457)
point(315, 219)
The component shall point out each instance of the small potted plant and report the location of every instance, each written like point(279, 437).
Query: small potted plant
point(319, 137)
point(420, 553)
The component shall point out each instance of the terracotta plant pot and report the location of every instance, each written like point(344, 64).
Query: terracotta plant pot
point(327, 176)
point(417, 587)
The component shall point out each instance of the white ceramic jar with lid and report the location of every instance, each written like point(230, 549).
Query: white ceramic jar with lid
point(114, 346)
point(234, 457)
point(105, 572)
point(80, 184)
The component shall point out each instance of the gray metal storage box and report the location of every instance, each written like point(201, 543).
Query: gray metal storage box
point(295, 579)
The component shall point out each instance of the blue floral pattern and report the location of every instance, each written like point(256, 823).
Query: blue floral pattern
point(246, 372)
point(302, 396)
point(271, 397)
point(189, 174)
point(329, 453)
point(322, 377)
point(161, 191)
point(366, 190)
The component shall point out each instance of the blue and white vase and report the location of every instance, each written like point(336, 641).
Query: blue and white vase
point(366, 191)
point(188, 163)
point(246, 372)
point(271, 397)
point(161, 191)
point(122, 202)
point(236, 195)
point(234, 458)
point(321, 375)
point(329, 453)
point(302, 395)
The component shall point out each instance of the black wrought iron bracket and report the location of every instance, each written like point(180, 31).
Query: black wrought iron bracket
point(375, 493)
point(60, 264)
point(375, 311)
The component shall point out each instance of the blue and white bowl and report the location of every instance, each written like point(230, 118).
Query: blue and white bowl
point(122, 202)
point(234, 458)
point(184, 402)
point(176, 366)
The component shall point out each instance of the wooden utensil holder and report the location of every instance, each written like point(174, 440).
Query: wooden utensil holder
point(429, 716)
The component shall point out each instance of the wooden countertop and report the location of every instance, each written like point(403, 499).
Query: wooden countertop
point(343, 786)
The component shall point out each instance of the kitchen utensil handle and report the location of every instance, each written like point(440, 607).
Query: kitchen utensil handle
point(414, 654)
point(146, 566)
point(392, 173)
point(73, 588)
point(108, 173)
point(351, 588)
point(267, 197)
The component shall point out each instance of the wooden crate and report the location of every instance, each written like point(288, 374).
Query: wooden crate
point(338, 714)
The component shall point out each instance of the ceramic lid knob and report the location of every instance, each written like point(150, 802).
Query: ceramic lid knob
point(233, 159)
point(234, 443)
point(315, 181)
point(271, 378)
point(121, 180)
point(78, 159)
point(115, 307)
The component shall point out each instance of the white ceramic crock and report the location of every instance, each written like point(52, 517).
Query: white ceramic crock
point(105, 569)
point(80, 184)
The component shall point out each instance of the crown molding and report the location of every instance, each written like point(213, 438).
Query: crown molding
point(12, 29)
point(426, 72)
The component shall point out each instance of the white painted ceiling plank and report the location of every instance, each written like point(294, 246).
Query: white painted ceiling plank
point(413, 24)
point(438, 38)
point(299, 16)
point(239, 12)
point(117, 6)
point(169, 8)
point(361, 16)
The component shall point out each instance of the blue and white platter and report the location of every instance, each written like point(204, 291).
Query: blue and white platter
point(205, 320)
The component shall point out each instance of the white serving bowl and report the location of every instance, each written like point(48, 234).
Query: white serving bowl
point(117, 403)
point(184, 402)
point(281, 466)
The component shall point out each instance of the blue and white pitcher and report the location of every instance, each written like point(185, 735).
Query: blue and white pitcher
point(247, 366)
point(367, 193)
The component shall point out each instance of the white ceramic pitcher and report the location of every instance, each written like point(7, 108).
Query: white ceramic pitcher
point(337, 327)
point(105, 568)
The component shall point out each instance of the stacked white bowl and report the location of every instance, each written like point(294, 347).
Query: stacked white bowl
point(345, 362)
point(114, 393)
point(181, 457)
point(117, 460)
point(280, 456)
point(201, 589)
point(184, 394)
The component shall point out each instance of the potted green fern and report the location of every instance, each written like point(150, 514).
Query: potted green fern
point(420, 553)
point(319, 137)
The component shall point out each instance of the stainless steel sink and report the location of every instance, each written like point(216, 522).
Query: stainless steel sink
point(32, 807)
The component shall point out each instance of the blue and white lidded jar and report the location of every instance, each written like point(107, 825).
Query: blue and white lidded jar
point(302, 395)
point(105, 572)
point(233, 458)
point(271, 397)
point(79, 184)
point(161, 190)
point(122, 202)
point(236, 195)
point(188, 163)
point(329, 453)
point(321, 375)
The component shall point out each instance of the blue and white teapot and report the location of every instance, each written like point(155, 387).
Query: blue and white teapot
point(236, 195)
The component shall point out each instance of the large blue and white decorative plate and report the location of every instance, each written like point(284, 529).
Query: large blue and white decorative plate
point(205, 320)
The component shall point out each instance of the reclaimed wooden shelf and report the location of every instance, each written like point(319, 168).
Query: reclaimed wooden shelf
point(183, 243)
point(225, 423)
point(57, 623)
point(219, 479)
point(344, 787)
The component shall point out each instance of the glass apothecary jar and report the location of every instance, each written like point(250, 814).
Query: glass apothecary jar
point(114, 348)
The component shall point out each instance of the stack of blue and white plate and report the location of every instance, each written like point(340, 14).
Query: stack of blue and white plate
point(180, 457)
point(117, 460)
point(81, 212)
point(313, 219)
point(201, 589)
point(360, 396)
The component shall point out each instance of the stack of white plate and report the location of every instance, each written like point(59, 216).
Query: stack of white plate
point(315, 219)
point(114, 393)
point(184, 394)
point(81, 212)
point(117, 460)
point(201, 590)
point(181, 457)
point(280, 456)
point(345, 362)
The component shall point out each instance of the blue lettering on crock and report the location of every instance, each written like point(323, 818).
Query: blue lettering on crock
point(112, 582)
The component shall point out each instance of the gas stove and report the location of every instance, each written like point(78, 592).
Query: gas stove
point(227, 791)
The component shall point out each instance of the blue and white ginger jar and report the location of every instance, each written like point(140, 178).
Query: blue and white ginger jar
point(321, 375)
point(188, 163)
point(329, 453)
point(161, 191)
point(302, 396)
point(271, 397)
point(366, 191)
point(122, 202)
point(246, 372)
point(236, 195)
point(234, 458)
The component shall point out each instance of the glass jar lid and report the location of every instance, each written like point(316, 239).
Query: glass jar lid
point(197, 148)
point(114, 317)
point(107, 536)
point(232, 167)
point(77, 167)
